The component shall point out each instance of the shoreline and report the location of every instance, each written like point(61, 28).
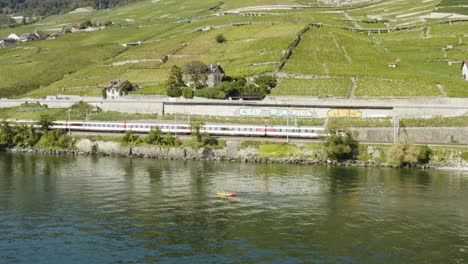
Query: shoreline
point(209, 155)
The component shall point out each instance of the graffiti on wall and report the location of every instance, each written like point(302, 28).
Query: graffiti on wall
point(344, 113)
point(275, 112)
point(250, 112)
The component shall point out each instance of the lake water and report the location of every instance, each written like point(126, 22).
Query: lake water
point(65, 209)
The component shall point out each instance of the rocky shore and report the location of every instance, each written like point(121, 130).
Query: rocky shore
point(231, 152)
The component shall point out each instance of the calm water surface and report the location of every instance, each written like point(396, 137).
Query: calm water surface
point(119, 210)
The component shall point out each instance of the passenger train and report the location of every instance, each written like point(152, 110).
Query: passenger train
point(184, 128)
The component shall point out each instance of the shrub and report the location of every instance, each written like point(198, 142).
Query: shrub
point(130, 137)
point(173, 91)
point(209, 140)
point(425, 154)
point(154, 137)
point(56, 139)
point(340, 144)
point(187, 92)
point(214, 93)
point(25, 136)
point(266, 80)
point(254, 90)
point(6, 134)
point(403, 154)
point(170, 140)
point(231, 88)
point(220, 38)
point(86, 24)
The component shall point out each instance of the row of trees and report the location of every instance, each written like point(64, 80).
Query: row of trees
point(27, 136)
point(341, 144)
point(50, 7)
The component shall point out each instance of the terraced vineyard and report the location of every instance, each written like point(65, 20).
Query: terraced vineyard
point(341, 51)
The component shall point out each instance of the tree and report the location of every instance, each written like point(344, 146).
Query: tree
point(6, 134)
point(220, 38)
point(174, 82)
point(126, 87)
point(196, 133)
point(45, 122)
point(340, 144)
point(81, 109)
point(197, 74)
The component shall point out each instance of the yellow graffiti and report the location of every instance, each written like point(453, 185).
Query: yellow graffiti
point(344, 113)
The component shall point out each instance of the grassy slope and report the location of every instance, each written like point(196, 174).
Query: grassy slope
point(80, 63)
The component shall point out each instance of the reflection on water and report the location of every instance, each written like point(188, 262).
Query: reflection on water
point(57, 209)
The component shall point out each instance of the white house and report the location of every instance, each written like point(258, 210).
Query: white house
point(464, 68)
point(215, 75)
point(118, 88)
point(113, 90)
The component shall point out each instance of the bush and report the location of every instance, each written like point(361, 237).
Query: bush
point(340, 144)
point(154, 137)
point(86, 24)
point(173, 91)
point(231, 88)
point(425, 154)
point(220, 38)
point(209, 140)
point(7, 134)
point(187, 92)
point(402, 154)
point(130, 137)
point(254, 90)
point(56, 139)
point(214, 93)
point(25, 136)
point(266, 80)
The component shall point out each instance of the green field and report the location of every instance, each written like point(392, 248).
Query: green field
point(330, 56)
point(314, 87)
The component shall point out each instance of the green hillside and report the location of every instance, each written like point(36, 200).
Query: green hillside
point(341, 51)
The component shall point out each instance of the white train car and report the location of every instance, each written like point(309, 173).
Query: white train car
point(296, 132)
point(182, 128)
point(235, 130)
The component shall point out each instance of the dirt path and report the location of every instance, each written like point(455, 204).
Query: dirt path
point(352, 91)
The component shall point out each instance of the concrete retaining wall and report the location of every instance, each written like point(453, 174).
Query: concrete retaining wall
point(273, 107)
point(419, 135)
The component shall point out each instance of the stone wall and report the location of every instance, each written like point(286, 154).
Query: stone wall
point(419, 135)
